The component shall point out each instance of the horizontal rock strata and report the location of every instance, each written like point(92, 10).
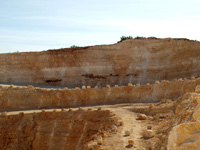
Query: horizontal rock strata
point(131, 61)
point(25, 98)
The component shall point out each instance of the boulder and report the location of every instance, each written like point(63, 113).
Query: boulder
point(148, 133)
point(142, 117)
point(127, 133)
point(131, 142)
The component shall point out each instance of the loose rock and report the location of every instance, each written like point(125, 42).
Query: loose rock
point(148, 134)
point(149, 127)
point(151, 105)
point(99, 140)
point(127, 133)
point(114, 128)
point(121, 123)
point(131, 142)
point(142, 117)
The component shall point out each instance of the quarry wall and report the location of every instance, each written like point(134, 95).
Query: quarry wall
point(132, 71)
point(28, 98)
point(131, 61)
point(65, 130)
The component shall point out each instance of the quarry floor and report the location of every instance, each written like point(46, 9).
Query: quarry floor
point(118, 140)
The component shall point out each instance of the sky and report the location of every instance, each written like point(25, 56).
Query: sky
point(36, 25)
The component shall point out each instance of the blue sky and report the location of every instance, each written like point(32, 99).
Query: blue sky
point(35, 25)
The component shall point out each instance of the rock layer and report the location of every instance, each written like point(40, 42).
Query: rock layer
point(131, 61)
point(52, 130)
point(25, 98)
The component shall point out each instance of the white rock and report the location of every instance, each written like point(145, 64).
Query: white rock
point(142, 117)
point(148, 134)
point(130, 84)
point(83, 87)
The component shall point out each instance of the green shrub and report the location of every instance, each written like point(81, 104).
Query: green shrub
point(73, 46)
point(139, 37)
point(152, 37)
point(125, 37)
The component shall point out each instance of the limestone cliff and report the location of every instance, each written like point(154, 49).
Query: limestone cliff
point(134, 61)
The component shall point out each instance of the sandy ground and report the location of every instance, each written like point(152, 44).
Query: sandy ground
point(118, 140)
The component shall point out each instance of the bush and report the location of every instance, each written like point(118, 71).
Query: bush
point(125, 37)
point(139, 37)
point(152, 37)
point(73, 46)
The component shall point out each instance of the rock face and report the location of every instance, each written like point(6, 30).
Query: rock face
point(131, 61)
point(185, 136)
point(25, 98)
point(52, 130)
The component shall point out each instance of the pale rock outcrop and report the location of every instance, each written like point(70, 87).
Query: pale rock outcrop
point(185, 136)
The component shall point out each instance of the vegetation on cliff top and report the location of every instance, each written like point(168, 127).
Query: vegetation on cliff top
point(137, 37)
point(73, 46)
